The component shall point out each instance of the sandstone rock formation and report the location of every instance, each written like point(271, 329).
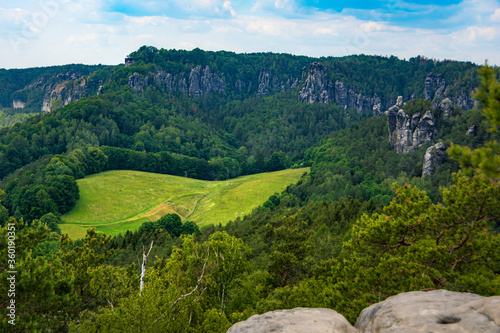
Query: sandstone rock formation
point(299, 320)
point(413, 312)
point(269, 82)
point(18, 104)
point(445, 106)
point(425, 131)
point(436, 90)
point(71, 89)
point(129, 61)
point(434, 157)
point(201, 81)
point(169, 82)
point(264, 82)
point(472, 130)
point(435, 87)
point(204, 81)
point(377, 110)
point(408, 132)
point(58, 91)
point(432, 311)
point(319, 89)
point(137, 82)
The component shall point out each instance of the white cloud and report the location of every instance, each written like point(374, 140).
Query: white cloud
point(204, 7)
point(324, 31)
point(496, 16)
point(478, 34)
point(280, 7)
point(20, 21)
point(370, 26)
point(82, 40)
point(147, 20)
point(82, 32)
point(471, 12)
point(268, 27)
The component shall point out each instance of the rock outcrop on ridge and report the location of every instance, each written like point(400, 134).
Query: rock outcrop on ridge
point(201, 81)
point(59, 90)
point(436, 89)
point(408, 132)
point(434, 157)
point(415, 312)
point(319, 89)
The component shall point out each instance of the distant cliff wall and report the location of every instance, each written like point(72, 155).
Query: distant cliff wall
point(437, 89)
point(319, 89)
point(57, 91)
point(200, 81)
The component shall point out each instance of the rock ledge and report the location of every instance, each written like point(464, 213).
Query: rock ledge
point(416, 312)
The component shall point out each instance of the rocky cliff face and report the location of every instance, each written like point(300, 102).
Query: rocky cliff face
point(319, 89)
point(166, 81)
point(416, 312)
point(200, 81)
point(138, 82)
point(59, 91)
point(436, 89)
point(434, 157)
point(270, 83)
point(18, 104)
point(445, 106)
point(204, 81)
point(408, 132)
point(65, 93)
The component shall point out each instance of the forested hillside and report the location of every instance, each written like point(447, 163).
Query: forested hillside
point(367, 222)
point(206, 115)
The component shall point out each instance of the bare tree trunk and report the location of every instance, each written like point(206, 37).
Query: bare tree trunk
point(143, 267)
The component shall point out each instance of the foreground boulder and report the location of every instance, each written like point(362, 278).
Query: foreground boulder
point(298, 320)
point(432, 311)
point(412, 312)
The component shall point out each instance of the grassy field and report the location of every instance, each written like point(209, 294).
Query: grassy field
point(116, 201)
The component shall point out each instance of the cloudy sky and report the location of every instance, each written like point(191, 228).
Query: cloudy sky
point(54, 32)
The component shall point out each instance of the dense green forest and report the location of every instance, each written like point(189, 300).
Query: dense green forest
point(361, 226)
point(214, 136)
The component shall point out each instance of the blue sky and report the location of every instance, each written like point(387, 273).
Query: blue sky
point(54, 32)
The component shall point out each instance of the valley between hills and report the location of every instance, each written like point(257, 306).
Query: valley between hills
point(186, 191)
point(116, 201)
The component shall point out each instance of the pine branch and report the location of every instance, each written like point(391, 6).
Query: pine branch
point(198, 283)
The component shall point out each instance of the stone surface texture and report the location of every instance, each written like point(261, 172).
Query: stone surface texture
point(408, 132)
point(318, 88)
point(298, 320)
point(434, 157)
point(432, 311)
point(437, 311)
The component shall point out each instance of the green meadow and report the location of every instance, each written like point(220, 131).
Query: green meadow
point(116, 201)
